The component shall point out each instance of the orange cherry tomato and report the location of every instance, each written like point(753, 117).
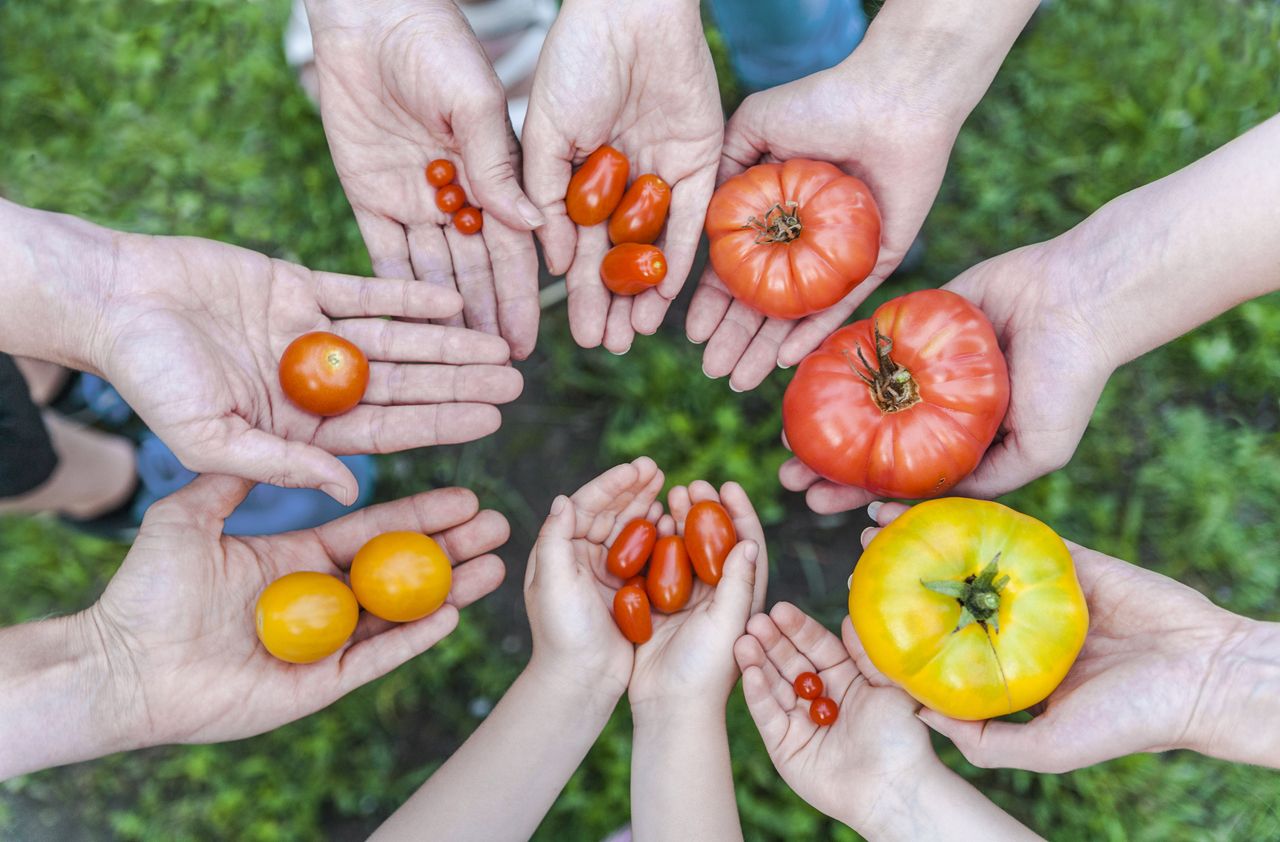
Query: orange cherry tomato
point(670, 579)
point(468, 220)
point(642, 211)
point(401, 576)
point(596, 188)
point(440, 172)
point(631, 613)
point(808, 685)
point(631, 548)
point(823, 711)
point(709, 536)
point(323, 373)
point(306, 616)
point(450, 198)
point(631, 268)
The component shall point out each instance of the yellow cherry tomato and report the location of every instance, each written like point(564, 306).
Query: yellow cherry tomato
point(972, 608)
point(304, 617)
point(401, 576)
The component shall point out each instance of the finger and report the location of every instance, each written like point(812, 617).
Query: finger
point(474, 277)
point(484, 533)
point(548, 165)
point(743, 147)
point(484, 133)
point(406, 342)
point(618, 332)
point(554, 547)
point(689, 199)
point(515, 282)
point(433, 264)
point(812, 331)
point(244, 451)
point(390, 429)
point(428, 513)
point(868, 535)
point(377, 655)
point(827, 498)
point(730, 340)
point(885, 513)
point(796, 475)
point(991, 744)
point(345, 296)
point(648, 309)
point(204, 503)
point(735, 592)
point(809, 637)
point(1011, 463)
point(746, 523)
point(707, 308)
point(770, 718)
point(858, 652)
point(761, 356)
point(760, 628)
point(399, 384)
point(679, 503)
point(589, 299)
point(666, 526)
point(387, 245)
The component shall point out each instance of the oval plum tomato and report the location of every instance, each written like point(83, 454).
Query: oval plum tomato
point(642, 211)
point(792, 239)
point(596, 188)
point(709, 536)
point(440, 172)
point(306, 616)
point(972, 608)
point(670, 579)
point(631, 268)
point(450, 198)
point(631, 613)
point(401, 576)
point(808, 685)
point(903, 404)
point(823, 711)
point(323, 373)
point(631, 549)
point(468, 220)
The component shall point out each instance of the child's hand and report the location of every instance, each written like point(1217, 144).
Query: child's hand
point(568, 592)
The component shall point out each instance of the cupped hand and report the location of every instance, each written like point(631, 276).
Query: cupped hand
point(402, 83)
point(177, 619)
point(192, 337)
point(568, 590)
point(639, 78)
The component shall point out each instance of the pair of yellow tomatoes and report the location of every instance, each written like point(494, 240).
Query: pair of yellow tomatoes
point(972, 608)
point(398, 576)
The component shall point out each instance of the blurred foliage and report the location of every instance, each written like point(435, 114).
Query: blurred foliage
point(169, 117)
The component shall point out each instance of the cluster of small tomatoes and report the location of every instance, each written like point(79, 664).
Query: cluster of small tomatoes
point(598, 191)
point(451, 199)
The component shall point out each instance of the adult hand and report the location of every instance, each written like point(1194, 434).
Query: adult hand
point(637, 77)
point(402, 83)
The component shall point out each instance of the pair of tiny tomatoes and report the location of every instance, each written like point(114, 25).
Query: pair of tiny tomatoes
point(397, 576)
point(450, 198)
point(323, 373)
point(673, 560)
point(636, 216)
point(822, 710)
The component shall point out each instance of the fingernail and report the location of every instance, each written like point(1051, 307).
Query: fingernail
point(557, 505)
point(873, 508)
point(339, 493)
point(751, 550)
point(783, 367)
point(862, 539)
point(618, 353)
point(733, 388)
point(529, 213)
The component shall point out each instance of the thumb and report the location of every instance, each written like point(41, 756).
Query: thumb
point(553, 553)
point(731, 603)
point(487, 147)
point(264, 457)
point(209, 499)
point(991, 744)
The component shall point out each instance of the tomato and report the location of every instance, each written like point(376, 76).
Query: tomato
point(468, 220)
point(631, 268)
point(631, 548)
point(973, 608)
point(903, 404)
point(792, 239)
point(323, 373)
point(824, 711)
point(440, 172)
point(642, 211)
point(304, 617)
point(450, 198)
point(670, 579)
point(596, 188)
point(631, 613)
point(709, 536)
point(808, 685)
point(401, 576)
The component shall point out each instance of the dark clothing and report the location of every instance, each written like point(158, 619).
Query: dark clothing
point(26, 453)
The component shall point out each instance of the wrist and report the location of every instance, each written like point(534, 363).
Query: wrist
point(1236, 716)
point(572, 688)
point(666, 714)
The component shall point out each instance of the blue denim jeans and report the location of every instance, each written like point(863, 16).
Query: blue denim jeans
point(773, 42)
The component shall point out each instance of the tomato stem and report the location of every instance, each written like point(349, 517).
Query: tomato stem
point(892, 386)
point(979, 596)
point(781, 223)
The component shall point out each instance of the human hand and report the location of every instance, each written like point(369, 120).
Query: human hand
point(402, 83)
point(637, 77)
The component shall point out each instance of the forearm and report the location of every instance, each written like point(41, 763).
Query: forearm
point(938, 805)
point(681, 780)
point(1237, 716)
point(505, 777)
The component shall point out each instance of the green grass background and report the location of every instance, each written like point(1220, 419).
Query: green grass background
point(180, 117)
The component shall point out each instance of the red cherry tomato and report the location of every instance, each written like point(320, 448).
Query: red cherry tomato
point(808, 685)
point(468, 220)
point(708, 536)
point(450, 198)
point(323, 373)
point(440, 172)
point(670, 579)
point(631, 613)
point(631, 268)
point(596, 188)
point(642, 211)
point(631, 548)
point(823, 711)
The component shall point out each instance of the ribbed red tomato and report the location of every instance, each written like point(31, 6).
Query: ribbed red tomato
point(903, 404)
point(792, 239)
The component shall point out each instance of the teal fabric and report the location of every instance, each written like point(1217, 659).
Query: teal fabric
point(771, 43)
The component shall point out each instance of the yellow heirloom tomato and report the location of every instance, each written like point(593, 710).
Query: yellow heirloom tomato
point(972, 608)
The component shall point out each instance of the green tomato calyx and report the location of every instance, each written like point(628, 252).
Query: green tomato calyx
point(892, 386)
point(979, 596)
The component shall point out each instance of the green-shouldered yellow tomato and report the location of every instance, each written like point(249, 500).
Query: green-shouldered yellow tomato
point(306, 616)
point(401, 576)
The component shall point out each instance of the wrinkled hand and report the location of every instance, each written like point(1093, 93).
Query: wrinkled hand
point(840, 115)
point(637, 77)
point(403, 82)
point(177, 619)
point(193, 330)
